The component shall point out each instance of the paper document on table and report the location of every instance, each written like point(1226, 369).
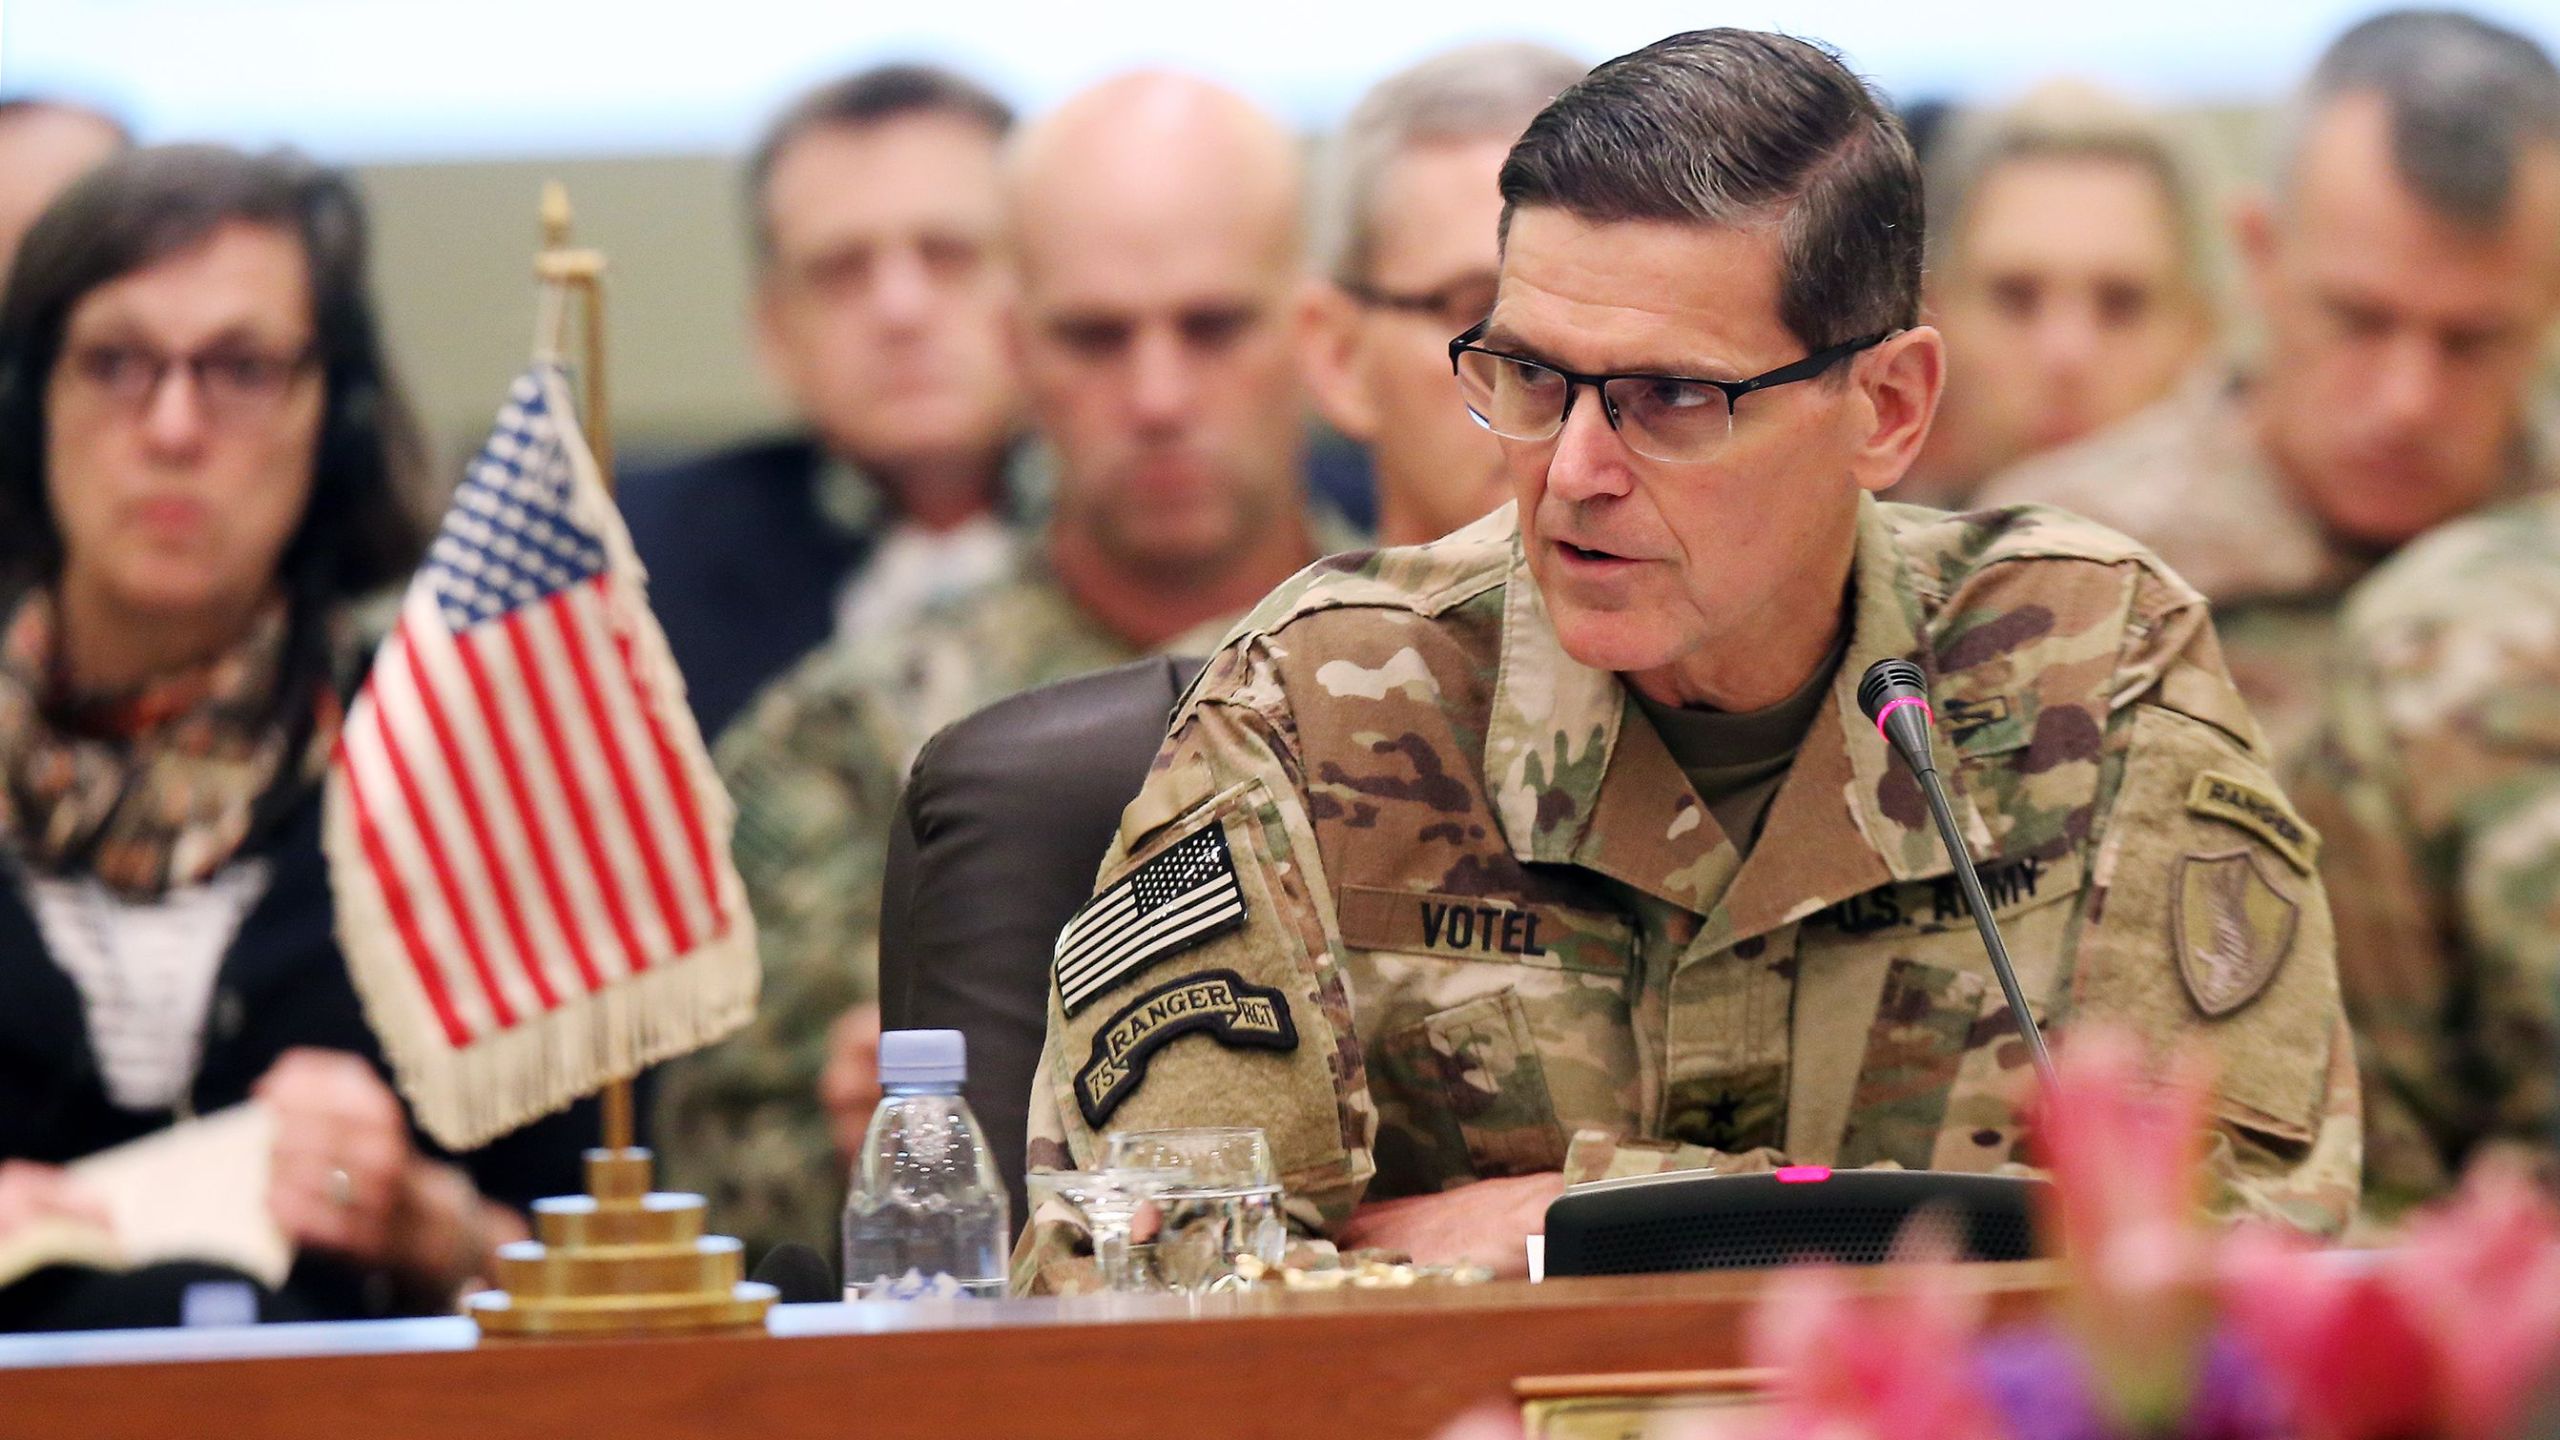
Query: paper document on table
point(195, 1191)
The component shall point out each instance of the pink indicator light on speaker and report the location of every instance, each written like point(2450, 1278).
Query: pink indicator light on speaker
point(1802, 1174)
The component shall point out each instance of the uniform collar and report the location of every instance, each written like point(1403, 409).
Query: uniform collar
point(851, 501)
point(1581, 778)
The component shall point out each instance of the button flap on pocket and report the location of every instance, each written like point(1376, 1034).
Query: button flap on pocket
point(1483, 1057)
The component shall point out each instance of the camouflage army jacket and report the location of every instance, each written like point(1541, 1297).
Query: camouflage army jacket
point(2436, 779)
point(1422, 896)
point(2188, 478)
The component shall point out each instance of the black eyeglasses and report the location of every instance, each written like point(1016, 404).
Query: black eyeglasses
point(1677, 418)
point(233, 384)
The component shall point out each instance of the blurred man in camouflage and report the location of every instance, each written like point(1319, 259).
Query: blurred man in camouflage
point(1155, 220)
point(873, 205)
point(1565, 832)
point(1406, 216)
point(2406, 284)
point(2435, 784)
point(2436, 772)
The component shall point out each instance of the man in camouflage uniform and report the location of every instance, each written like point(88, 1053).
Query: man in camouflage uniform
point(1566, 830)
point(1155, 224)
point(2436, 782)
point(2405, 299)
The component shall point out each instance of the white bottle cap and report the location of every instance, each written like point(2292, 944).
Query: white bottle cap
point(923, 1057)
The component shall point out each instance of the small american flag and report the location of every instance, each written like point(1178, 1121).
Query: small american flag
point(528, 843)
point(1177, 900)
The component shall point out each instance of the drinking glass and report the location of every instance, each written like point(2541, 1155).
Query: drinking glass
point(1109, 1199)
point(1226, 1202)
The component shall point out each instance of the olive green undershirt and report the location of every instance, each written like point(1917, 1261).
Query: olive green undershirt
point(1737, 761)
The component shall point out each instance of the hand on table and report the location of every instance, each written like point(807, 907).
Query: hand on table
point(849, 1086)
point(30, 1192)
point(1487, 1222)
point(347, 1181)
point(342, 1155)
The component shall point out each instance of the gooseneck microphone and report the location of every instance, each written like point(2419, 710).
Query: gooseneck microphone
point(1895, 695)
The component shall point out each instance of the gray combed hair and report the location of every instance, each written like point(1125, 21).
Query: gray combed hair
point(2466, 98)
point(1488, 91)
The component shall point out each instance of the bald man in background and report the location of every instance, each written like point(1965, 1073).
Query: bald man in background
point(44, 146)
point(1154, 221)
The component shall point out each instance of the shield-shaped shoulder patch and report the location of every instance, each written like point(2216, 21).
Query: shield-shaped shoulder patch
point(2232, 928)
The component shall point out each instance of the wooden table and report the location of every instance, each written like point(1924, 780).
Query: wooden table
point(1367, 1363)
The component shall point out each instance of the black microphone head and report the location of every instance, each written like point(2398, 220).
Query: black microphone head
point(1889, 680)
point(800, 1275)
point(1895, 695)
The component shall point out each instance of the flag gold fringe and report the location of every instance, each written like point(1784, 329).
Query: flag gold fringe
point(468, 1097)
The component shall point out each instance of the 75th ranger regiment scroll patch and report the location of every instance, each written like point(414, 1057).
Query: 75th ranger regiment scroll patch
point(1233, 1011)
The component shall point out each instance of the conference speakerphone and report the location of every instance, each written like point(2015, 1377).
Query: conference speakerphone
point(1698, 1220)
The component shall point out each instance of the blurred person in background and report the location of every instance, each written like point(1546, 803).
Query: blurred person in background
point(2435, 775)
point(2407, 271)
point(203, 470)
point(44, 146)
point(1154, 221)
point(2072, 280)
point(1407, 216)
point(879, 295)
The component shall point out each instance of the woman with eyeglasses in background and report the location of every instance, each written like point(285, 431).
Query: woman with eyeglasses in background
point(206, 472)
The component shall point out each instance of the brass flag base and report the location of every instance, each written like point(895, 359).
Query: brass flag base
point(620, 1259)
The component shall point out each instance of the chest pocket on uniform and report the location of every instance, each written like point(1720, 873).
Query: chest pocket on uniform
point(1942, 1080)
point(1493, 1030)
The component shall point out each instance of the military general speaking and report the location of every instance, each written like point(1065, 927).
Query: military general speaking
point(1034, 706)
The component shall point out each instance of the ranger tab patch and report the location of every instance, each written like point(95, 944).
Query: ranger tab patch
point(2232, 929)
point(1235, 1013)
point(2262, 813)
point(1184, 897)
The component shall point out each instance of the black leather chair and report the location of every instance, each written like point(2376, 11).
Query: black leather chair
point(1004, 822)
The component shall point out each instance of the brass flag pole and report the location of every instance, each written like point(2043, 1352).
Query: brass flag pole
point(622, 1257)
point(580, 273)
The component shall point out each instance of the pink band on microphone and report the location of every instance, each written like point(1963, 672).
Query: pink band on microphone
point(1887, 712)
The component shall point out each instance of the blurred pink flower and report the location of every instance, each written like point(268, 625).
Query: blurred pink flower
point(2451, 1333)
point(1895, 1363)
point(2330, 1333)
point(2480, 1277)
point(2125, 1148)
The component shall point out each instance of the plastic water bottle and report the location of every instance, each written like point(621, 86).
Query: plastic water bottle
point(927, 1215)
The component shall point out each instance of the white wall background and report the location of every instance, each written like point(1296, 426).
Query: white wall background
point(372, 80)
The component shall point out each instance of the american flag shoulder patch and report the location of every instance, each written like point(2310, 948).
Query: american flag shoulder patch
point(1185, 896)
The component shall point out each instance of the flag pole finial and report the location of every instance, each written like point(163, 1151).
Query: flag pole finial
point(555, 215)
point(581, 271)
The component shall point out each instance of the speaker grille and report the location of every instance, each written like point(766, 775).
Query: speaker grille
point(1747, 1223)
point(1857, 1236)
